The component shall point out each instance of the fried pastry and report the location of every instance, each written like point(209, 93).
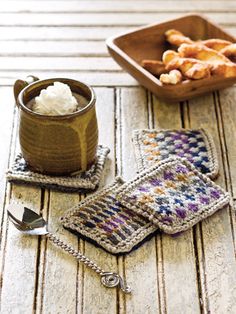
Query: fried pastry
point(194, 59)
point(190, 68)
point(176, 38)
point(229, 51)
point(215, 44)
point(198, 71)
point(154, 66)
point(172, 78)
point(201, 52)
point(224, 69)
point(169, 55)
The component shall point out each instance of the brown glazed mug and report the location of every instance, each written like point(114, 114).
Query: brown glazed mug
point(56, 145)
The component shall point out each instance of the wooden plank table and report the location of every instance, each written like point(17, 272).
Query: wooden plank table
point(194, 273)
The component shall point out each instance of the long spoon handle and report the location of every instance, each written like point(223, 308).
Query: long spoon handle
point(108, 279)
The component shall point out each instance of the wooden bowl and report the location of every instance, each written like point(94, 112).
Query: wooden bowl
point(149, 42)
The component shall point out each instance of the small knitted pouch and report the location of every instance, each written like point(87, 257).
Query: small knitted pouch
point(173, 195)
point(102, 220)
point(196, 146)
point(86, 181)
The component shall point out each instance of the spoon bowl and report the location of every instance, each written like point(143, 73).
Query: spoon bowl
point(26, 220)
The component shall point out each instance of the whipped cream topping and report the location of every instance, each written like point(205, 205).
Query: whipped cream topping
point(56, 99)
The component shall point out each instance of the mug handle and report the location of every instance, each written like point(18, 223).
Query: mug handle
point(20, 84)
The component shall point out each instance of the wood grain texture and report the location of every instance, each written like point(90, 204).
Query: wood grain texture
point(96, 79)
point(218, 250)
point(227, 108)
point(63, 33)
point(116, 6)
point(75, 64)
point(20, 260)
point(51, 48)
point(104, 19)
point(193, 273)
point(6, 99)
point(6, 122)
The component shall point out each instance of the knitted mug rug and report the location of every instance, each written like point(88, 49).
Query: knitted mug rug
point(86, 181)
point(197, 146)
point(173, 195)
point(105, 222)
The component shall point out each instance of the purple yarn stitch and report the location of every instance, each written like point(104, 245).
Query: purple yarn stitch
point(143, 189)
point(193, 207)
point(180, 212)
point(204, 200)
point(156, 182)
point(168, 175)
point(181, 169)
point(215, 194)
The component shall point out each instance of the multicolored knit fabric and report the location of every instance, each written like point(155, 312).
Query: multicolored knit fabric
point(173, 195)
point(104, 221)
point(196, 146)
point(19, 173)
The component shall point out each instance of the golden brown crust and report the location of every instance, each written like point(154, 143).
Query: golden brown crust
point(173, 77)
point(198, 71)
point(176, 38)
point(194, 59)
point(216, 44)
point(169, 55)
point(229, 51)
point(189, 67)
point(201, 52)
point(224, 69)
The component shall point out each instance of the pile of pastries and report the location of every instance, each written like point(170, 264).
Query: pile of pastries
point(193, 60)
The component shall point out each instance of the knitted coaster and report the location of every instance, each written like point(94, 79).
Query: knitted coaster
point(173, 195)
point(102, 220)
point(83, 181)
point(196, 146)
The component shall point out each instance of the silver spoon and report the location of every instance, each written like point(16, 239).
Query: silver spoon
point(29, 222)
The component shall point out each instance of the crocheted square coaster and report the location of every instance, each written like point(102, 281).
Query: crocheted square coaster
point(196, 146)
point(102, 220)
point(83, 181)
point(173, 195)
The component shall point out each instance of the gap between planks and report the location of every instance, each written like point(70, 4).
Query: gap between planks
point(99, 19)
point(67, 34)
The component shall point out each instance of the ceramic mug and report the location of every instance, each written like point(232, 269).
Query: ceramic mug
point(56, 145)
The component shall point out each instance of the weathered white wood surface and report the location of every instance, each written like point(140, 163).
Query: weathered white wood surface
point(193, 273)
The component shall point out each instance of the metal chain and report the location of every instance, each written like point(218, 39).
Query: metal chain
point(108, 279)
point(76, 254)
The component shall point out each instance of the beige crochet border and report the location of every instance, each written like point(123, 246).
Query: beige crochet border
point(124, 246)
point(208, 140)
point(183, 225)
point(67, 183)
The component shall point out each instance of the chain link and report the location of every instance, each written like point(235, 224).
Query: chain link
point(75, 253)
point(108, 279)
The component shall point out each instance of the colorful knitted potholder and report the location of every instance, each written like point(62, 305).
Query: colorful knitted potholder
point(196, 146)
point(83, 181)
point(102, 220)
point(173, 195)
